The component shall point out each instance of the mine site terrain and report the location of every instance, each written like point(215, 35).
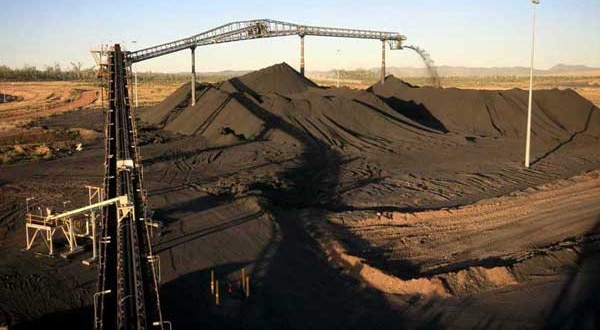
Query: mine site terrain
point(387, 206)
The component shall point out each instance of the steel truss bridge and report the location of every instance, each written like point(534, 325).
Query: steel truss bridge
point(127, 296)
point(263, 28)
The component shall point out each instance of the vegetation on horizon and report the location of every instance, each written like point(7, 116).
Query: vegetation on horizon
point(77, 73)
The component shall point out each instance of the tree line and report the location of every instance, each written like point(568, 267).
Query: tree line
point(75, 72)
point(49, 72)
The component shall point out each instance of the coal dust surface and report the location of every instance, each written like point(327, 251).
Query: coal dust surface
point(390, 207)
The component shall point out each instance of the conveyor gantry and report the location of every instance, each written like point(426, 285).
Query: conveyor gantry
point(127, 296)
point(263, 28)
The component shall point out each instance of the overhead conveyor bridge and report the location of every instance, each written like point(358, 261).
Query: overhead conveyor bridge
point(261, 28)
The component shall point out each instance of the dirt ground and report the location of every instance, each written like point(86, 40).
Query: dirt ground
point(387, 207)
point(41, 99)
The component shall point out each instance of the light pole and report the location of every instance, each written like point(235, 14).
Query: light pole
point(96, 295)
point(528, 139)
point(27, 202)
point(337, 84)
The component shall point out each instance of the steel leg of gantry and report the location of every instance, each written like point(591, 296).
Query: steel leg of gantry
point(302, 55)
point(93, 220)
point(49, 235)
point(27, 237)
point(65, 230)
point(382, 61)
point(193, 76)
point(71, 233)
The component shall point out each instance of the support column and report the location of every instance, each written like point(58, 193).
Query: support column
point(193, 76)
point(302, 55)
point(94, 237)
point(382, 61)
point(136, 89)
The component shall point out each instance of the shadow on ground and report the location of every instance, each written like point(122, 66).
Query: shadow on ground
point(297, 288)
point(578, 303)
point(78, 318)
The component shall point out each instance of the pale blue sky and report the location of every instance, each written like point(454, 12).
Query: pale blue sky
point(455, 32)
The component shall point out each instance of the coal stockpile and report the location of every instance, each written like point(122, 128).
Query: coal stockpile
point(389, 131)
point(242, 107)
point(556, 113)
point(384, 117)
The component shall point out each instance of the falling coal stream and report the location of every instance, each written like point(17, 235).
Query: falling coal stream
point(435, 79)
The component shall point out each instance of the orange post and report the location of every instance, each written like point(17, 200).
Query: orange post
point(243, 280)
point(212, 282)
point(217, 300)
point(248, 286)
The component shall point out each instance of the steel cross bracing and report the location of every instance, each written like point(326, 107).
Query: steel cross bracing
point(261, 28)
point(127, 279)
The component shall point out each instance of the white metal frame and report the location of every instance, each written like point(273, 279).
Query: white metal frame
point(47, 226)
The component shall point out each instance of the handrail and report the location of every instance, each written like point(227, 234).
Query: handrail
point(121, 200)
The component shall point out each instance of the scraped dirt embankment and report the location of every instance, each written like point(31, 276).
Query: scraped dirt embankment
point(492, 244)
point(86, 98)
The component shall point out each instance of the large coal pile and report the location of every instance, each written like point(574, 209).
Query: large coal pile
point(556, 113)
point(365, 148)
point(279, 79)
point(387, 117)
point(169, 107)
point(255, 105)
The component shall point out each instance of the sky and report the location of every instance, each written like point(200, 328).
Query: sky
point(484, 33)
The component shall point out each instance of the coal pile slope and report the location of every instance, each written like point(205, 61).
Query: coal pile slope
point(279, 100)
point(279, 78)
point(160, 113)
point(557, 113)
